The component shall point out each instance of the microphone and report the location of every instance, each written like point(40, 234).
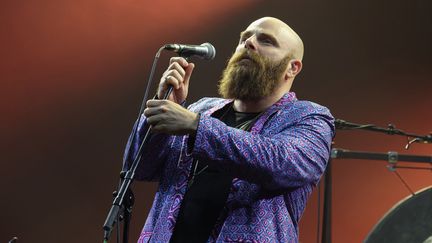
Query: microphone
point(205, 51)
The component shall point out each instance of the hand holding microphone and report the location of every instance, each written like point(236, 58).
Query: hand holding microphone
point(177, 75)
point(167, 116)
point(179, 71)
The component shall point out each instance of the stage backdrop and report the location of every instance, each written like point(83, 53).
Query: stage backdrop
point(73, 75)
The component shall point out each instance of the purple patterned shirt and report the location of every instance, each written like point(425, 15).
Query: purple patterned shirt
point(276, 166)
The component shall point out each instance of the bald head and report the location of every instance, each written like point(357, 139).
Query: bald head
point(267, 59)
point(288, 38)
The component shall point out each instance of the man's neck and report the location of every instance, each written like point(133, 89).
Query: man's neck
point(262, 104)
point(256, 105)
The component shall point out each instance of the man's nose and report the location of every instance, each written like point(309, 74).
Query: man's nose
point(250, 43)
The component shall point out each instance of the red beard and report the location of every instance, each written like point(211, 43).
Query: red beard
point(248, 76)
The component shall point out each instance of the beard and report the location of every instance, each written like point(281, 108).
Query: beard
point(248, 76)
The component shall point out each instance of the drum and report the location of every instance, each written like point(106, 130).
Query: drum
point(410, 220)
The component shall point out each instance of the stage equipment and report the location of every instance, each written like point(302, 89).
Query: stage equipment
point(121, 208)
point(205, 51)
point(410, 220)
point(391, 157)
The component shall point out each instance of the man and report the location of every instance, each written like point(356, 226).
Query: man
point(237, 169)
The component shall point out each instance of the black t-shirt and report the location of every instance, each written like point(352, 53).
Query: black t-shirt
point(208, 188)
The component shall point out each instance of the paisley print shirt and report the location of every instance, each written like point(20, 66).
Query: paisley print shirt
point(276, 165)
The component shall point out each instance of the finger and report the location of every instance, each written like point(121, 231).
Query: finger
point(176, 73)
point(171, 80)
point(155, 103)
point(155, 120)
point(152, 111)
point(162, 108)
point(164, 84)
point(180, 60)
point(189, 69)
point(178, 67)
point(152, 121)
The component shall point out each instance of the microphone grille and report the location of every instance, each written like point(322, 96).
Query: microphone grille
point(211, 51)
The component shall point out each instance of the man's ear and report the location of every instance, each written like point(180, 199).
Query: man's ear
point(294, 67)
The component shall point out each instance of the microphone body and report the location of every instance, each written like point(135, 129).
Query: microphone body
point(205, 51)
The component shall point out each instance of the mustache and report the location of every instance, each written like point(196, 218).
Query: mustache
point(252, 56)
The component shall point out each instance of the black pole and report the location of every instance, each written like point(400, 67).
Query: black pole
point(127, 214)
point(326, 226)
point(124, 199)
point(124, 191)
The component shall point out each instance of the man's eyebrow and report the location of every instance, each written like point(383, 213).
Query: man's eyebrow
point(271, 37)
point(245, 33)
point(248, 33)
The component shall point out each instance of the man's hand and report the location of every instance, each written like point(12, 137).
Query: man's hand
point(168, 117)
point(177, 75)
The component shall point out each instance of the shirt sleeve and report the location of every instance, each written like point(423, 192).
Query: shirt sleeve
point(153, 155)
point(154, 151)
point(295, 155)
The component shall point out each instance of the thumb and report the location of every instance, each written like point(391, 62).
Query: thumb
point(188, 73)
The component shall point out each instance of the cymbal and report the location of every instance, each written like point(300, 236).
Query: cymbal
point(410, 220)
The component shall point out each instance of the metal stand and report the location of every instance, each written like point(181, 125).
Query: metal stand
point(121, 198)
point(124, 199)
point(391, 157)
point(326, 226)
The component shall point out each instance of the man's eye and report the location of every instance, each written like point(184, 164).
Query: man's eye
point(267, 41)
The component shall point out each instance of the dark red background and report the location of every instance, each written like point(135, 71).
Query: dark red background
point(73, 75)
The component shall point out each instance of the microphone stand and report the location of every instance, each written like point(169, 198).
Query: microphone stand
point(122, 204)
point(124, 198)
point(125, 192)
point(390, 130)
point(392, 157)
